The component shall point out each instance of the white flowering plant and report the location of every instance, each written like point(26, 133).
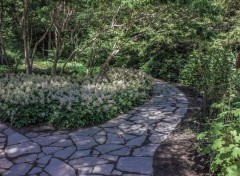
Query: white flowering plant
point(67, 101)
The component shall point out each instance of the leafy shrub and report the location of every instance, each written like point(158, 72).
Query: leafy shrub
point(223, 139)
point(68, 101)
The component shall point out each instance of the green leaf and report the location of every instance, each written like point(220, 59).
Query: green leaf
point(218, 143)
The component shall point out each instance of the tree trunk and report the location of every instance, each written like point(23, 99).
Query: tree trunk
point(3, 56)
point(57, 52)
point(28, 67)
point(49, 43)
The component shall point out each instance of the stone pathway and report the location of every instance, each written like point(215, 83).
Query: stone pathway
point(122, 146)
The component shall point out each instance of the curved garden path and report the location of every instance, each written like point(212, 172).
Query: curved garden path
point(122, 146)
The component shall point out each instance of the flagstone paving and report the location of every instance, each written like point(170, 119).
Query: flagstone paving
point(122, 146)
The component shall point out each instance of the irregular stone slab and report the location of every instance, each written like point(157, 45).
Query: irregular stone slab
point(86, 132)
point(8, 131)
point(114, 130)
point(83, 142)
point(50, 150)
point(147, 150)
point(109, 157)
point(21, 149)
point(2, 140)
point(47, 140)
point(85, 170)
point(116, 172)
point(27, 159)
point(136, 141)
point(2, 127)
point(128, 136)
point(18, 169)
point(121, 152)
point(59, 168)
point(44, 174)
point(5, 164)
point(103, 169)
point(65, 153)
point(114, 139)
point(158, 138)
point(44, 160)
point(35, 170)
point(79, 154)
point(87, 161)
point(62, 143)
point(100, 139)
point(142, 165)
point(108, 148)
point(181, 111)
point(31, 135)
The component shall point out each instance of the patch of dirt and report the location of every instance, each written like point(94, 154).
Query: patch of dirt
point(177, 156)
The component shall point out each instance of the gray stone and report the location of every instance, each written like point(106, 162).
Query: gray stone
point(109, 157)
point(101, 133)
point(35, 170)
point(79, 154)
point(5, 164)
point(108, 148)
point(62, 143)
point(31, 135)
point(59, 168)
point(157, 138)
point(8, 131)
point(114, 139)
point(44, 160)
point(2, 126)
point(147, 150)
point(18, 169)
point(128, 136)
point(21, 149)
point(27, 159)
point(2, 140)
point(47, 140)
point(121, 152)
point(50, 150)
point(95, 153)
point(142, 165)
point(116, 172)
point(104, 169)
point(83, 142)
point(100, 139)
point(181, 111)
point(136, 141)
point(113, 130)
point(84, 170)
point(181, 105)
point(87, 161)
point(44, 174)
point(65, 153)
point(86, 132)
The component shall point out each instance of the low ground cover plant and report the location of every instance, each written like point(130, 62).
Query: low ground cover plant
point(67, 101)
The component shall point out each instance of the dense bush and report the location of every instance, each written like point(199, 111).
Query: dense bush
point(70, 102)
point(223, 138)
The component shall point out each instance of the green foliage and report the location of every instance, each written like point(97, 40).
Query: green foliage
point(70, 102)
point(209, 70)
point(223, 138)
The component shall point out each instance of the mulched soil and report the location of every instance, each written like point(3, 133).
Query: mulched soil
point(177, 156)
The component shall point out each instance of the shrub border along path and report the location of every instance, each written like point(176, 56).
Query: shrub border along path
point(124, 145)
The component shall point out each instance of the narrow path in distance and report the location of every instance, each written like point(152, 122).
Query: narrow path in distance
point(124, 145)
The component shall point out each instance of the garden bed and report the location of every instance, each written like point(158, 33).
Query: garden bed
point(68, 102)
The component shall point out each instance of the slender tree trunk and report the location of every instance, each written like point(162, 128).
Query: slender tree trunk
point(49, 43)
point(28, 67)
point(3, 56)
point(57, 53)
